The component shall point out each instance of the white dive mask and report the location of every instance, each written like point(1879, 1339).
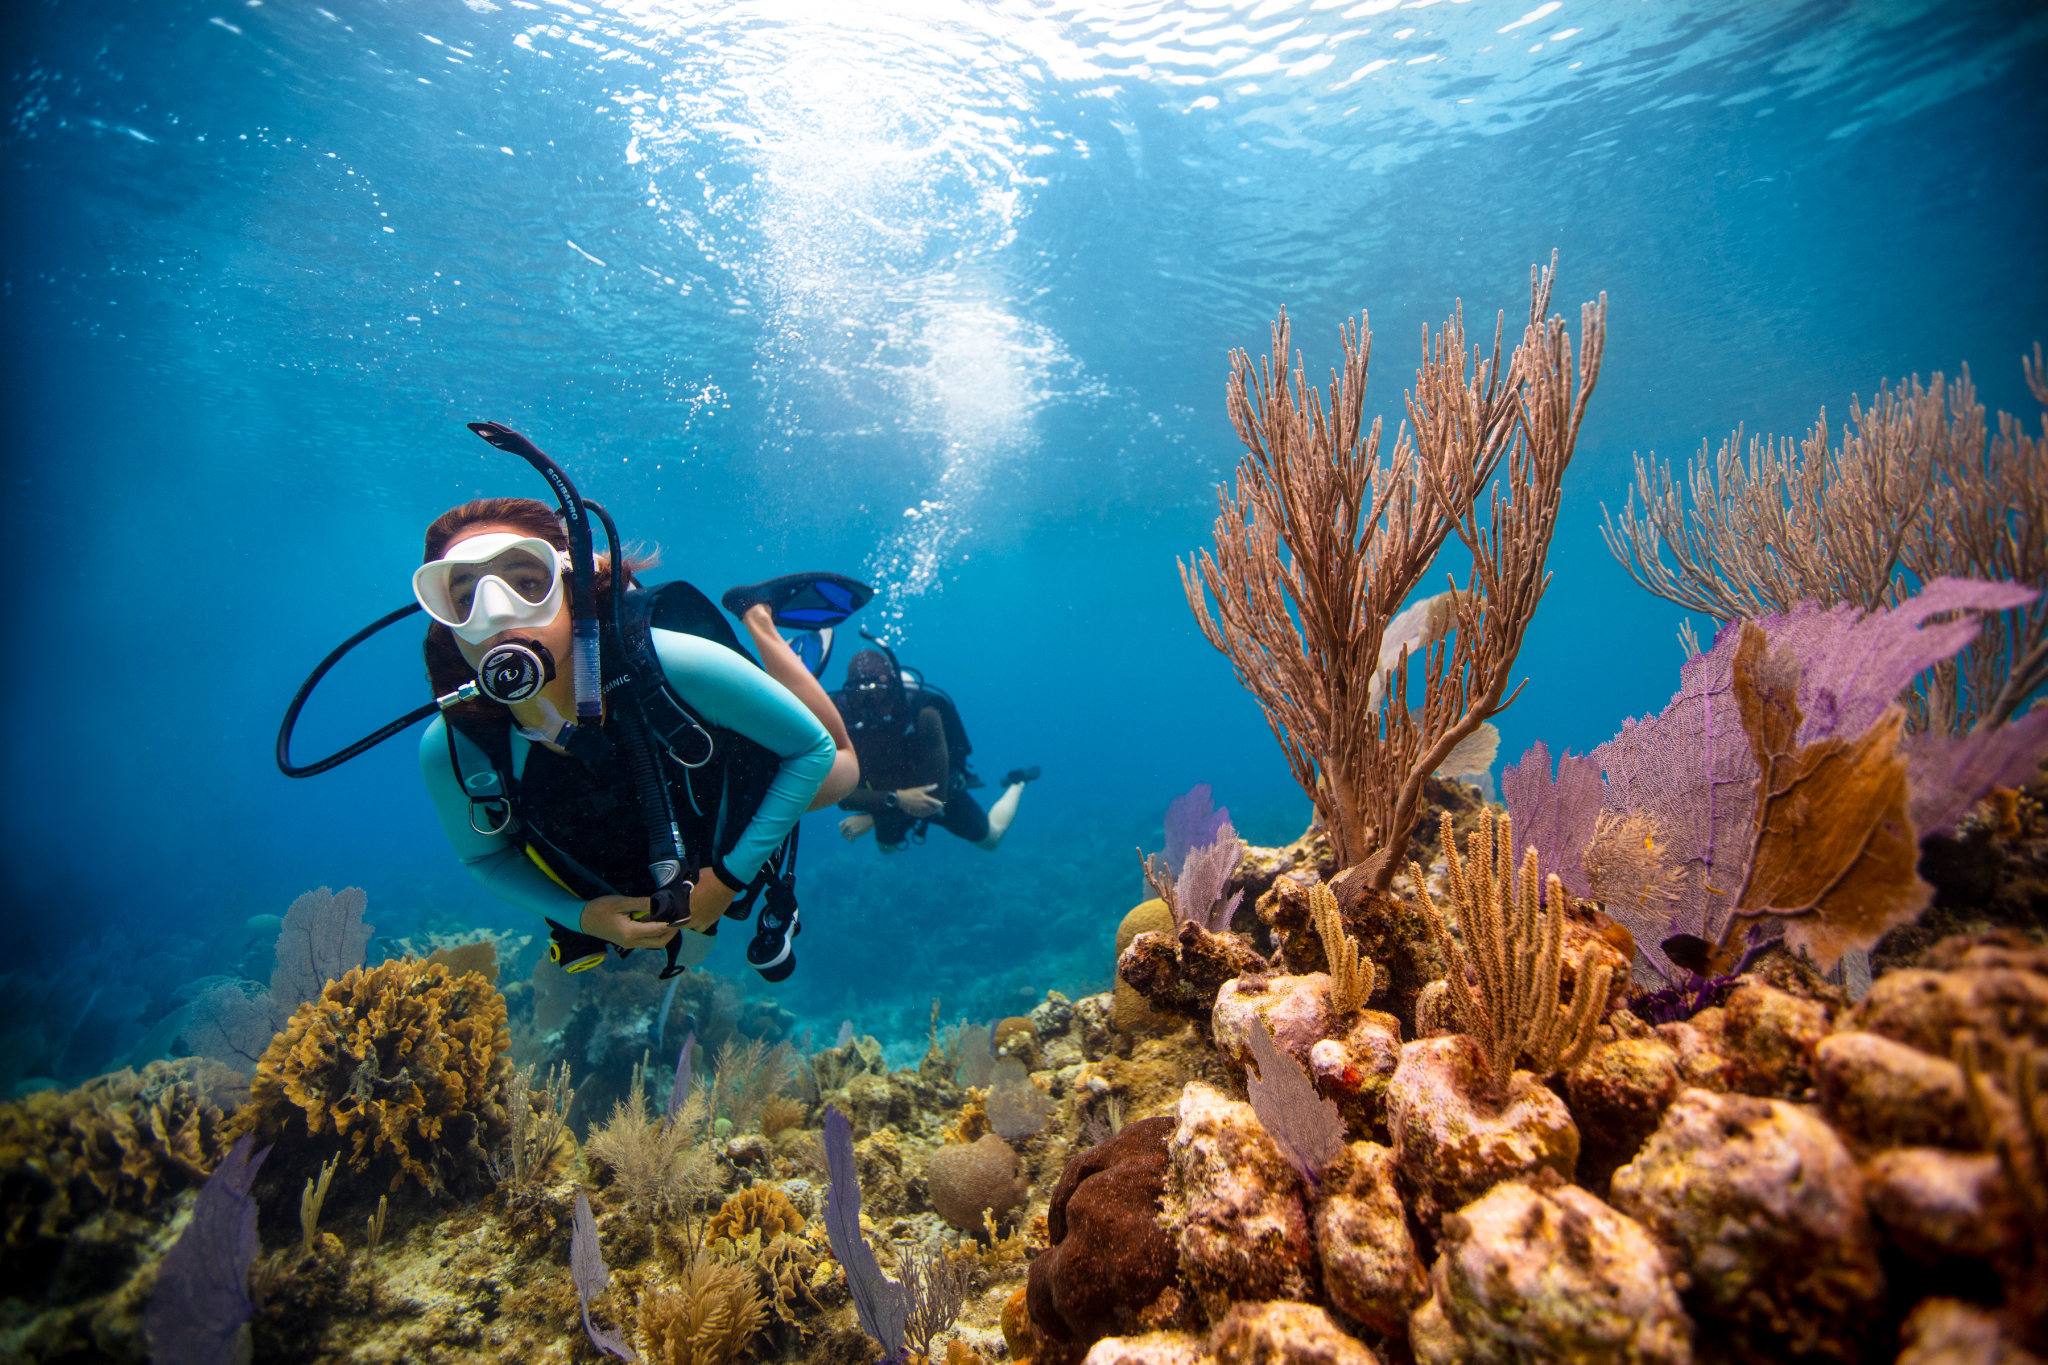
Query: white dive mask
point(492, 583)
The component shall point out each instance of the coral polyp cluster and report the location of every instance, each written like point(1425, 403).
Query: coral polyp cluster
point(403, 1063)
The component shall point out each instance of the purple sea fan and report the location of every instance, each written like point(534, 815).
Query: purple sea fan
point(587, 1271)
point(1308, 1129)
point(880, 1302)
point(1192, 821)
point(1558, 817)
point(201, 1303)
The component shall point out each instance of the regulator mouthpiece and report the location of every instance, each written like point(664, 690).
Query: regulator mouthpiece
point(515, 671)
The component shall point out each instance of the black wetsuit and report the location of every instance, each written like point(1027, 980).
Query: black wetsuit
point(917, 755)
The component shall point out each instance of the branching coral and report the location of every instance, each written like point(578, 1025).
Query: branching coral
point(660, 1167)
point(539, 1121)
point(1322, 544)
point(1517, 953)
point(1351, 976)
point(402, 1062)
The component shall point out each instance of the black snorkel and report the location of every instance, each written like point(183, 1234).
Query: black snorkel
point(584, 667)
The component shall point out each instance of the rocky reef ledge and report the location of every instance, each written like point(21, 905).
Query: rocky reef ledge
point(1264, 1146)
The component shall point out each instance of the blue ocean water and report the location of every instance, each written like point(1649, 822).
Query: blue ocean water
point(939, 294)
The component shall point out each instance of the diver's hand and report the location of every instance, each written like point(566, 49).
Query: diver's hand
point(853, 826)
point(708, 900)
point(610, 918)
point(918, 802)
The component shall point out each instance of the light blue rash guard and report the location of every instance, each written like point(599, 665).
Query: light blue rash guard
point(721, 687)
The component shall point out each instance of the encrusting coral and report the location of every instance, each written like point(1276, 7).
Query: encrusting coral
point(117, 1142)
point(402, 1063)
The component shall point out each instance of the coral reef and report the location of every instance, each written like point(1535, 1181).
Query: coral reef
point(402, 1064)
point(1786, 1173)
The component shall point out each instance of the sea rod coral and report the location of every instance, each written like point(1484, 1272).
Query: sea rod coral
point(1321, 544)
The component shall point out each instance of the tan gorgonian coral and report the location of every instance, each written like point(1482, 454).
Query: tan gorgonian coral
point(1913, 492)
point(1351, 976)
point(745, 1076)
point(780, 1114)
point(540, 1126)
point(706, 1317)
point(402, 1061)
point(660, 1168)
point(1628, 869)
point(1322, 544)
point(1517, 953)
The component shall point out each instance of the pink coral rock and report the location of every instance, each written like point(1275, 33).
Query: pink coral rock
point(1545, 1271)
point(1453, 1144)
point(1618, 1097)
point(1234, 1205)
point(1886, 1094)
point(1935, 1204)
point(1951, 1332)
point(1997, 994)
point(1768, 1037)
point(1370, 1268)
point(1284, 1334)
point(1295, 1010)
point(1153, 1348)
point(1765, 1208)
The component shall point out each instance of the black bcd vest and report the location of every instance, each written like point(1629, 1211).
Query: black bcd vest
point(583, 817)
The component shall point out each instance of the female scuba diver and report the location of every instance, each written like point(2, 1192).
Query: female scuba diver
point(549, 816)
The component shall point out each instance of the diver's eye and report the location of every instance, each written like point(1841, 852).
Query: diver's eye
point(531, 585)
point(462, 592)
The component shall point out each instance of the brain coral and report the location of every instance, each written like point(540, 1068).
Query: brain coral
point(980, 1177)
point(403, 1062)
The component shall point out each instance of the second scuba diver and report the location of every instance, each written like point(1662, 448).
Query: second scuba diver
point(913, 767)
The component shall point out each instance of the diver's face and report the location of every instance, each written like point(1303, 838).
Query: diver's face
point(872, 700)
point(555, 634)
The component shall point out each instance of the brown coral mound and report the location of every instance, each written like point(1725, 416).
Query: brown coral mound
point(1110, 1260)
point(120, 1141)
point(402, 1062)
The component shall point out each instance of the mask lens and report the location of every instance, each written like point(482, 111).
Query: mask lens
point(519, 569)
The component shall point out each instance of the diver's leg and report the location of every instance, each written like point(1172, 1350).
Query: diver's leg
point(1000, 815)
point(783, 666)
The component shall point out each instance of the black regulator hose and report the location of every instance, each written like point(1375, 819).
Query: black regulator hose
point(291, 713)
point(664, 839)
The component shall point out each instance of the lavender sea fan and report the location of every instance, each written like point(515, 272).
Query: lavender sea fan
point(1192, 821)
point(679, 1092)
point(1559, 817)
point(587, 1271)
point(883, 1306)
point(201, 1302)
point(1306, 1128)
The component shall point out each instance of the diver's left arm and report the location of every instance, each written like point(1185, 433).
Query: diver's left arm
point(729, 691)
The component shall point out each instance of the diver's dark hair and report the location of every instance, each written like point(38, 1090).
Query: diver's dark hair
point(446, 668)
